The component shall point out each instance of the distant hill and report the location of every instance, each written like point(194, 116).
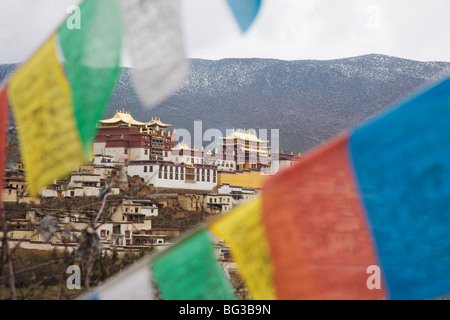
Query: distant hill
point(310, 101)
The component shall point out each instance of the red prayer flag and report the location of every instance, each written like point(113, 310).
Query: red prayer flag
point(325, 247)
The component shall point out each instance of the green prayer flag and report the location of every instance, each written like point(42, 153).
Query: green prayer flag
point(190, 271)
point(92, 51)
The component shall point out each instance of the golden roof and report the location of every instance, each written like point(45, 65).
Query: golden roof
point(246, 136)
point(184, 146)
point(158, 122)
point(124, 117)
point(181, 146)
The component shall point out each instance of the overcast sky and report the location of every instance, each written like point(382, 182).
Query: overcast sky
point(284, 29)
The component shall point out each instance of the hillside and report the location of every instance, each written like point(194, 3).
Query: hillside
point(309, 101)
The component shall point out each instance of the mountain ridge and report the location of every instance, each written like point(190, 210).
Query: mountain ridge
point(309, 101)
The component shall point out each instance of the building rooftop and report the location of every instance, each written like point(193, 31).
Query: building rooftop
point(246, 136)
point(157, 122)
point(122, 116)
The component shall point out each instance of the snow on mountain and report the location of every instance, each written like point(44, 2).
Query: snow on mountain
point(309, 101)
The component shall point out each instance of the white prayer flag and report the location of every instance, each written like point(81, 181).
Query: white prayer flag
point(135, 283)
point(155, 44)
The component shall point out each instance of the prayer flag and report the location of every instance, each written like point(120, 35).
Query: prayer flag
point(92, 57)
point(41, 101)
point(245, 11)
point(243, 230)
point(155, 42)
point(190, 271)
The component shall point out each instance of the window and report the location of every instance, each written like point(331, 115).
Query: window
point(125, 151)
point(145, 168)
point(102, 233)
point(146, 152)
point(127, 234)
point(151, 168)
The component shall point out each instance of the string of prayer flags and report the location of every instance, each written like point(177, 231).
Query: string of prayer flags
point(155, 42)
point(190, 271)
point(364, 217)
point(92, 57)
point(245, 12)
point(41, 102)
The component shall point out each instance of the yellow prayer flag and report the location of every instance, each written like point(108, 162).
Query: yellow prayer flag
point(41, 102)
point(243, 231)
